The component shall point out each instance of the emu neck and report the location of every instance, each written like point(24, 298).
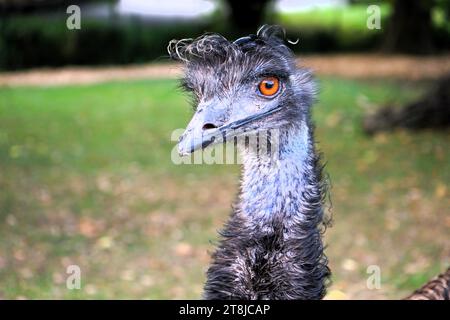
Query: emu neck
point(274, 187)
point(271, 247)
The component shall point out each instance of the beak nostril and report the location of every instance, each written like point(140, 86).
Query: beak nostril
point(207, 126)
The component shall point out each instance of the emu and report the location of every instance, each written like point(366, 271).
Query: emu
point(271, 247)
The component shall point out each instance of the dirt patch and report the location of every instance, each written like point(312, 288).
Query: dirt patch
point(353, 66)
point(356, 66)
point(87, 75)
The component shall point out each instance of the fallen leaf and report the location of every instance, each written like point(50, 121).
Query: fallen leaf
point(335, 295)
point(87, 227)
point(105, 242)
point(349, 265)
point(183, 249)
point(440, 191)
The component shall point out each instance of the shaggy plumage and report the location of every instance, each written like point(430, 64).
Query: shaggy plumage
point(436, 289)
point(271, 247)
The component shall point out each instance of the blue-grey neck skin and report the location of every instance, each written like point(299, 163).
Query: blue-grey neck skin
point(272, 184)
point(271, 247)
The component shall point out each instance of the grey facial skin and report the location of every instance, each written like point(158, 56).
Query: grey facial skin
point(223, 77)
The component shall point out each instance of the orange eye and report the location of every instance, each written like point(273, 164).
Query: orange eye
point(269, 86)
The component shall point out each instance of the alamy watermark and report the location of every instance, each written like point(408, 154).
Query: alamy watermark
point(73, 281)
point(374, 279)
point(73, 21)
point(374, 17)
point(264, 143)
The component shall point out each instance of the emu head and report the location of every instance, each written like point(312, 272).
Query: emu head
point(241, 87)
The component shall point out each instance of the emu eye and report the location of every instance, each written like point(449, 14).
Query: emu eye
point(269, 86)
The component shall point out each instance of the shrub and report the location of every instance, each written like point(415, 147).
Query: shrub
point(30, 41)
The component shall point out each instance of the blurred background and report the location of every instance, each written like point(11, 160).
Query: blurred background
point(86, 117)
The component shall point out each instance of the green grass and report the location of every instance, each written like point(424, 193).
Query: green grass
point(86, 178)
point(106, 126)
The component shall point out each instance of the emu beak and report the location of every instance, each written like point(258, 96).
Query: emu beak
point(196, 139)
point(201, 131)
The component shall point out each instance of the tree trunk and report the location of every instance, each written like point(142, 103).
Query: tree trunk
point(432, 111)
point(247, 15)
point(410, 27)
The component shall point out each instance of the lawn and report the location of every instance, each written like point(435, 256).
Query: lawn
point(86, 179)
